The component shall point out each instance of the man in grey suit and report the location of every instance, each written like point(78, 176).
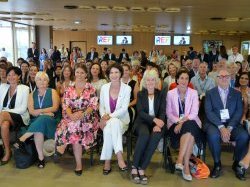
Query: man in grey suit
point(224, 108)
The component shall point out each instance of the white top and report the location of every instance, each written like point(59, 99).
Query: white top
point(234, 58)
point(151, 110)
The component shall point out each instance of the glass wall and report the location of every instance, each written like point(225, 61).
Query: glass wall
point(16, 39)
point(6, 40)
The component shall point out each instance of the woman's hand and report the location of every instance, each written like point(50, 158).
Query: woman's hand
point(158, 122)
point(178, 127)
point(106, 117)
point(156, 129)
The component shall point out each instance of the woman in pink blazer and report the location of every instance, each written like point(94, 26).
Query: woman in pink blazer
point(183, 122)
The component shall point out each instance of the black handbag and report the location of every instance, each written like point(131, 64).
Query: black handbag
point(24, 159)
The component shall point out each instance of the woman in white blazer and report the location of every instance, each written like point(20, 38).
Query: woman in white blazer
point(13, 108)
point(114, 101)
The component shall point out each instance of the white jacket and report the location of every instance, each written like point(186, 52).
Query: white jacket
point(21, 104)
point(121, 110)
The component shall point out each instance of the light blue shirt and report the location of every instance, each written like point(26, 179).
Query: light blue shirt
point(202, 85)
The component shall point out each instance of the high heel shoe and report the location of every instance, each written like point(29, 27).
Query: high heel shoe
point(4, 162)
point(135, 176)
point(106, 171)
point(125, 168)
point(186, 177)
point(78, 172)
point(41, 163)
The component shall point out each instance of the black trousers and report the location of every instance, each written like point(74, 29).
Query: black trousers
point(146, 144)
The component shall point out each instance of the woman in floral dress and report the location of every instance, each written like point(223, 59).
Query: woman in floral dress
point(80, 119)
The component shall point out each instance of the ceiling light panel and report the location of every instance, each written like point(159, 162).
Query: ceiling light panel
point(86, 7)
point(120, 9)
point(103, 8)
point(172, 10)
point(137, 9)
point(154, 9)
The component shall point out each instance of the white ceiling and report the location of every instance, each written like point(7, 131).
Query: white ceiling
point(193, 13)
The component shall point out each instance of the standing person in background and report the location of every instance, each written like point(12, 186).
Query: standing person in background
point(33, 53)
point(56, 56)
point(92, 54)
point(73, 57)
point(110, 56)
point(213, 56)
point(191, 53)
point(123, 55)
point(203, 56)
point(223, 53)
point(64, 53)
point(43, 56)
point(236, 56)
point(161, 60)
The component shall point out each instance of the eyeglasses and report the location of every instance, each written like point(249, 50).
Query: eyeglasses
point(223, 77)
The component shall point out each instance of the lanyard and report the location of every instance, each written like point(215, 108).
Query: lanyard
point(179, 100)
point(10, 98)
point(40, 101)
point(204, 85)
point(31, 88)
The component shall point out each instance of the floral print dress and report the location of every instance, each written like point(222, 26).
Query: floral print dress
point(83, 131)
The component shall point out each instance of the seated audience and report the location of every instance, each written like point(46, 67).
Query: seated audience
point(183, 122)
point(3, 75)
point(172, 70)
point(224, 109)
point(13, 108)
point(80, 118)
point(148, 125)
point(43, 104)
point(96, 77)
point(114, 102)
point(32, 74)
point(67, 79)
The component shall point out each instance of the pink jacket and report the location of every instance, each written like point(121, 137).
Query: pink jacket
point(191, 106)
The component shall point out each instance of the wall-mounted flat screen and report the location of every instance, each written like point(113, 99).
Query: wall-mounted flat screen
point(162, 40)
point(182, 40)
point(124, 40)
point(104, 40)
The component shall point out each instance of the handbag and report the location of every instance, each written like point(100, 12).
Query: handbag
point(198, 168)
point(24, 159)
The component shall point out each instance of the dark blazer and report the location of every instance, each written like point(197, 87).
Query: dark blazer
point(191, 74)
point(142, 108)
point(213, 105)
point(205, 58)
point(121, 57)
point(106, 57)
point(34, 55)
point(89, 56)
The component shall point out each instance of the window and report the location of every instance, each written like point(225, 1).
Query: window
point(6, 44)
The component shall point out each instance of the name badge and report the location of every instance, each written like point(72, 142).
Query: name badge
point(224, 114)
point(181, 116)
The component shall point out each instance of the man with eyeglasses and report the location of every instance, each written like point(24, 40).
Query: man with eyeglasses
point(224, 108)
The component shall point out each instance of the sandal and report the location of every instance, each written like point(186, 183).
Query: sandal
point(135, 176)
point(143, 178)
point(41, 163)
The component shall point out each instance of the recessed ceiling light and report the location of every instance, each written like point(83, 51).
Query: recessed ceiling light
point(188, 27)
point(77, 22)
point(188, 32)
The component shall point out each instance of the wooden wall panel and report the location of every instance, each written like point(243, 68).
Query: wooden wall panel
point(141, 41)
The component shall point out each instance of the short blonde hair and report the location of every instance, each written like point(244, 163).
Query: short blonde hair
point(41, 74)
point(150, 74)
